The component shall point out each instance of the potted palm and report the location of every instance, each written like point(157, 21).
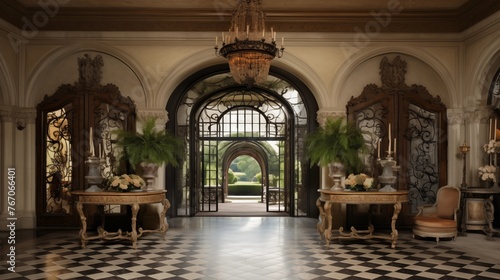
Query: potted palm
point(338, 144)
point(150, 149)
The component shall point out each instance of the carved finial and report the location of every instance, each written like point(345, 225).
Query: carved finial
point(393, 74)
point(90, 70)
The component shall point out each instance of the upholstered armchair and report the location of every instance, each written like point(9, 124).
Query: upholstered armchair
point(439, 220)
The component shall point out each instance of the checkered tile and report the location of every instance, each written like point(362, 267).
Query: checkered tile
point(243, 248)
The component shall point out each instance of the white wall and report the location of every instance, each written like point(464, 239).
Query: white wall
point(148, 66)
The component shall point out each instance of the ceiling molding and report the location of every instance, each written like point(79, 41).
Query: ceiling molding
point(128, 19)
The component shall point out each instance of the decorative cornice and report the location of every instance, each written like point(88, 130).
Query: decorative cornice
point(213, 19)
point(6, 114)
point(21, 116)
point(457, 116)
point(481, 115)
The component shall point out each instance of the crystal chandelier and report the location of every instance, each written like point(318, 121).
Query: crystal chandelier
point(248, 47)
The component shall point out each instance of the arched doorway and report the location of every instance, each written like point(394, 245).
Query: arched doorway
point(213, 113)
point(267, 179)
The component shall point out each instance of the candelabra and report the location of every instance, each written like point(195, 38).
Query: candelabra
point(464, 149)
point(94, 177)
point(387, 178)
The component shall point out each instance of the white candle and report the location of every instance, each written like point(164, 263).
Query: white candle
point(389, 138)
point(489, 135)
point(216, 41)
point(282, 41)
point(91, 142)
point(378, 146)
point(99, 151)
point(495, 130)
point(394, 147)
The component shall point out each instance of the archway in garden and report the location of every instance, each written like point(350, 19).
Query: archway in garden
point(257, 187)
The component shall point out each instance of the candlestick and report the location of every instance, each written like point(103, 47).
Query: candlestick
point(464, 150)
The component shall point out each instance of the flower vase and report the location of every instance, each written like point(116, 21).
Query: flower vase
point(150, 172)
point(336, 171)
point(359, 188)
point(487, 183)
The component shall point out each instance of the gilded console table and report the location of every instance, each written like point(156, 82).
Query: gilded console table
point(328, 197)
point(134, 199)
point(478, 211)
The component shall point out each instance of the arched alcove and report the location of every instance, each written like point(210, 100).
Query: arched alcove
point(59, 67)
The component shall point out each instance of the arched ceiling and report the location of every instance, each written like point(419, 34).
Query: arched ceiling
point(214, 15)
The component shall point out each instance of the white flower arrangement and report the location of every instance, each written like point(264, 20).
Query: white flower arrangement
point(491, 147)
point(127, 182)
point(359, 179)
point(488, 172)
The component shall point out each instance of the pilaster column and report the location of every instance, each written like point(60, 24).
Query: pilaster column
point(478, 133)
point(17, 127)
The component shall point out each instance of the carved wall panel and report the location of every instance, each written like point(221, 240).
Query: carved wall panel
point(418, 122)
point(64, 120)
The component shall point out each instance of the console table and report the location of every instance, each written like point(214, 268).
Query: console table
point(134, 199)
point(478, 210)
point(328, 197)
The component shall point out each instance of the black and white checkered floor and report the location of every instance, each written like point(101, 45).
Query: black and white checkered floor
point(250, 248)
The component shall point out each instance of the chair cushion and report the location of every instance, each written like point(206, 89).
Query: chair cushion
point(434, 222)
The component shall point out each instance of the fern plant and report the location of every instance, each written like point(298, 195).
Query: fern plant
point(150, 146)
point(337, 141)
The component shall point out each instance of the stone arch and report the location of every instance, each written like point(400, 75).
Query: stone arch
point(485, 68)
point(240, 149)
point(428, 59)
point(7, 86)
point(42, 71)
point(200, 60)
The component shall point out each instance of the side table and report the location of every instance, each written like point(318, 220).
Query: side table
point(478, 210)
point(134, 199)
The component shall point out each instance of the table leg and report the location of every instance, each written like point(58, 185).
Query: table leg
point(83, 220)
point(394, 232)
point(321, 219)
point(328, 220)
point(463, 201)
point(489, 209)
point(163, 224)
point(135, 210)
